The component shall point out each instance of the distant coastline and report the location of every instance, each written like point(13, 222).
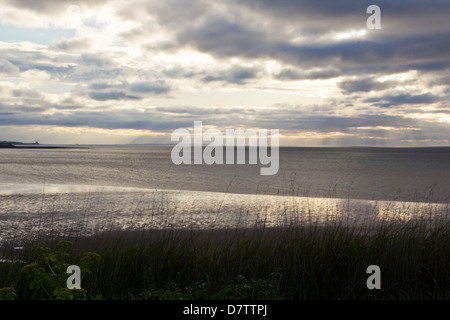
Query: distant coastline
point(36, 145)
point(323, 148)
point(6, 145)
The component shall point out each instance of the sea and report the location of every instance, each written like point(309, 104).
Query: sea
point(85, 190)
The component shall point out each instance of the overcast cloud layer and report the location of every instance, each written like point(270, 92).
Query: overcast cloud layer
point(134, 71)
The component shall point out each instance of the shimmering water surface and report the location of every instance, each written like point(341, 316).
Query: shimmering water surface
point(100, 188)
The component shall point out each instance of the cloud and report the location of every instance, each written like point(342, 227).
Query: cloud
point(227, 36)
point(305, 67)
point(154, 87)
point(95, 60)
point(404, 99)
point(313, 74)
point(102, 91)
point(72, 45)
point(127, 119)
point(7, 68)
point(403, 17)
point(365, 85)
point(111, 95)
point(235, 75)
point(51, 6)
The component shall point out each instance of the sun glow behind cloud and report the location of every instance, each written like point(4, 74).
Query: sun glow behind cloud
point(118, 72)
point(351, 34)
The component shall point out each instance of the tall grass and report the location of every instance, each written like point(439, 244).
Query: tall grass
point(297, 261)
point(265, 263)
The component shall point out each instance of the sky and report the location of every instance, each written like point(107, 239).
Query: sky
point(118, 72)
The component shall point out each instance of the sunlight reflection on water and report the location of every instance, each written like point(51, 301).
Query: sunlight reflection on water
point(26, 209)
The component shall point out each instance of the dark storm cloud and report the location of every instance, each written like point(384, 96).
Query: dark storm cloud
point(403, 99)
point(231, 40)
point(85, 75)
point(286, 118)
point(385, 69)
point(51, 69)
point(41, 6)
point(295, 121)
point(225, 38)
point(434, 67)
point(99, 85)
point(289, 119)
point(24, 60)
point(52, 6)
point(156, 87)
point(125, 120)
point(290, 74)
point(299, 36)
point(178, 72)
point(10, 111)
point(294, 74)
point(365, 85)
point(368, 52)
point(111, 95)
point(318, 16)
point(440, 80)
point(102, 91)
point(36, 107)
point(411, 99)
point(341, 124)
point(399, 43)
point(237, 75)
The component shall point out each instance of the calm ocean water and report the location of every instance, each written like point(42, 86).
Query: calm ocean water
point(97, 188)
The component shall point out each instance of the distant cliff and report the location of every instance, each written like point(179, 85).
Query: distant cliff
point(10, 144)
point(6, 145)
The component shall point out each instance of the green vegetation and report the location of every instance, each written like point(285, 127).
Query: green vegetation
point(308, 262)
